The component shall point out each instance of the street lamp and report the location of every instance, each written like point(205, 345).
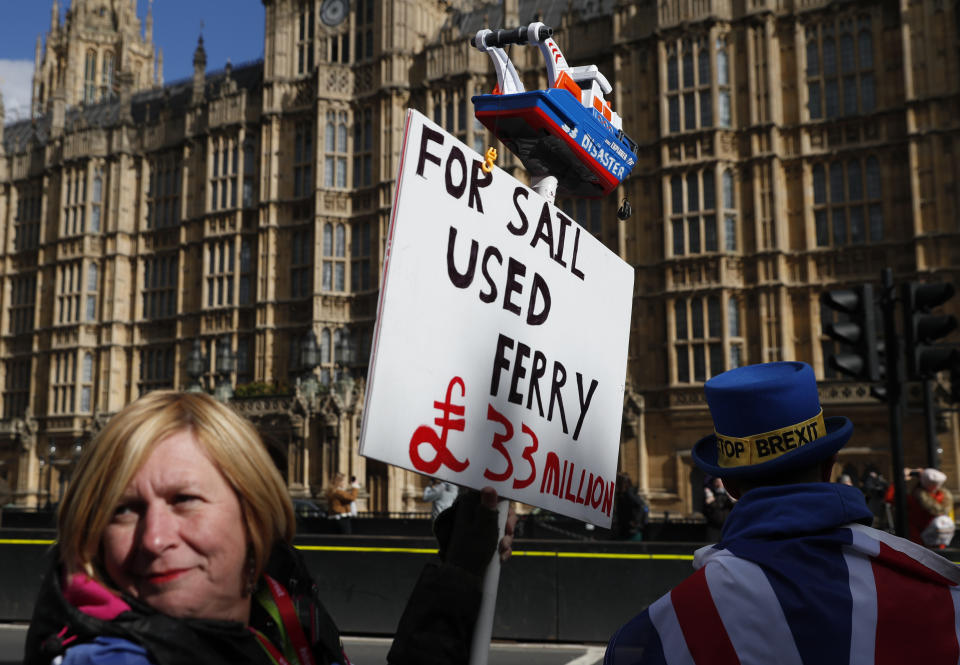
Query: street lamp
point(51, 451)
point(309, 359)
point(345, 354)
point(65, 467)
point(196, 364)
point(226, 365)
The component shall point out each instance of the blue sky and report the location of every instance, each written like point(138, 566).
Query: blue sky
point(231, 29)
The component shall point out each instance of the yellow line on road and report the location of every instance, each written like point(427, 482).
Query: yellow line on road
point(530, 553)
point(615, 555)
point(344, 548)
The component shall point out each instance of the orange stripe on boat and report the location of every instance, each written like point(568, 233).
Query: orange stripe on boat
point(566, 83)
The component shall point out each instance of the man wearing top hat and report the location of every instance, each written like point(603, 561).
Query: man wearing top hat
point(798, 576)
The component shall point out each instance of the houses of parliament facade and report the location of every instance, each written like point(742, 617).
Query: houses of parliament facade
point(191, 234)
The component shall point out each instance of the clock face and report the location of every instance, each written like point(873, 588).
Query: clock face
point(333, 12)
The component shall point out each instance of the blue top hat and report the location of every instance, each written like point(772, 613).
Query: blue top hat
point(767, 420)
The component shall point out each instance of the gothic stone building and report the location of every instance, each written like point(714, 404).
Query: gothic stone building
point(786, 146)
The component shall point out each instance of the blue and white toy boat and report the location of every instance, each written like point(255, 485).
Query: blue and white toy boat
point(568, 130)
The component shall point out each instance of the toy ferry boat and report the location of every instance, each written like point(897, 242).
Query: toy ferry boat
point(568, 130)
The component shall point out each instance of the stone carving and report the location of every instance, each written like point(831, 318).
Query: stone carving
point(24, 431)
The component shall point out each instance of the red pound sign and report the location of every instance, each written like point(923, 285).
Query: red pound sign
point(426, 434)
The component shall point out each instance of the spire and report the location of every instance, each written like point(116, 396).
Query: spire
point(199, 70)
point(148, 36)
point(38, 54)
point(199, 57)
point(55, 16)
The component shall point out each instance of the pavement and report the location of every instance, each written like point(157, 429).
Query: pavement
point(371, 650)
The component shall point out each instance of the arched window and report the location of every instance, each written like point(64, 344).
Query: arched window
point(676, 195)
point(107, 74)
point(328, 239)
point(335, 150)
point(90, 77)
point(728, 189)
point(329, 145)
point(340, 251)
point(96, 199)
point(733, 317)
point(696, 318)
point(729, 212)
point(696, 333)
point(700, 347)
point(723, 83)
point(680, 318)
point(325, 346)
point(342, 149)
point(86, 380)
point(714, 319)
point(334, 257)
point(847, 203)
point(92, 277)
point(682, 350)
point(87, 374)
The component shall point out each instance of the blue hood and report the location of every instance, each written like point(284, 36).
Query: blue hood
point(789, 511)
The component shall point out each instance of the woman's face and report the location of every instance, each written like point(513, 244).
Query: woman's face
point(177, 539)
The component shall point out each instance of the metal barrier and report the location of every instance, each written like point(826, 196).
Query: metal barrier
point(550, 590)
point(567, 591)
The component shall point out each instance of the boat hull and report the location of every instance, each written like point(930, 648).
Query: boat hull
point(553, 134)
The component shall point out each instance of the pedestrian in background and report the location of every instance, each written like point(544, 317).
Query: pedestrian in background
point(630, 511)
point(339, 498)
point(798, 575)
point(354, 484)
point(930, 510)
point(717, 504)
point(441, 494)
point(874, 487)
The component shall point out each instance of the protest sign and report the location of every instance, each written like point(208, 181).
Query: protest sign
point(499, 355)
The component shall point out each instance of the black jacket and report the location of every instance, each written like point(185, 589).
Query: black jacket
point(436, 627)
point(172, 641)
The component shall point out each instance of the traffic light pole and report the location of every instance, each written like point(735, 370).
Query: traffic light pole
point(933, 448)
point(894, 399)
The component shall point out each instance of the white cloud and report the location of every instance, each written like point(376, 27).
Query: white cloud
point(16, 80)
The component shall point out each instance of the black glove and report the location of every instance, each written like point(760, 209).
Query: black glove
point(467, 532)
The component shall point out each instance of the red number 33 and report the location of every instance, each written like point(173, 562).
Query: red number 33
point(499, 439)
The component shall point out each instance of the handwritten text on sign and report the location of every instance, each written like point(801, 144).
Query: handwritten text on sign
point(500, 349)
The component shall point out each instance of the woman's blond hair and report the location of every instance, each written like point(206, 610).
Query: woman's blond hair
point(109, 463)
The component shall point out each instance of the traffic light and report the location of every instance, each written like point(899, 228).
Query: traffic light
point(859, 333)
point(922, 328)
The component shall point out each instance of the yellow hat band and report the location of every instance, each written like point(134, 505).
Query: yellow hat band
point(759, 448)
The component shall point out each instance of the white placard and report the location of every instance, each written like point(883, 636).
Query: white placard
point(500, 350)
